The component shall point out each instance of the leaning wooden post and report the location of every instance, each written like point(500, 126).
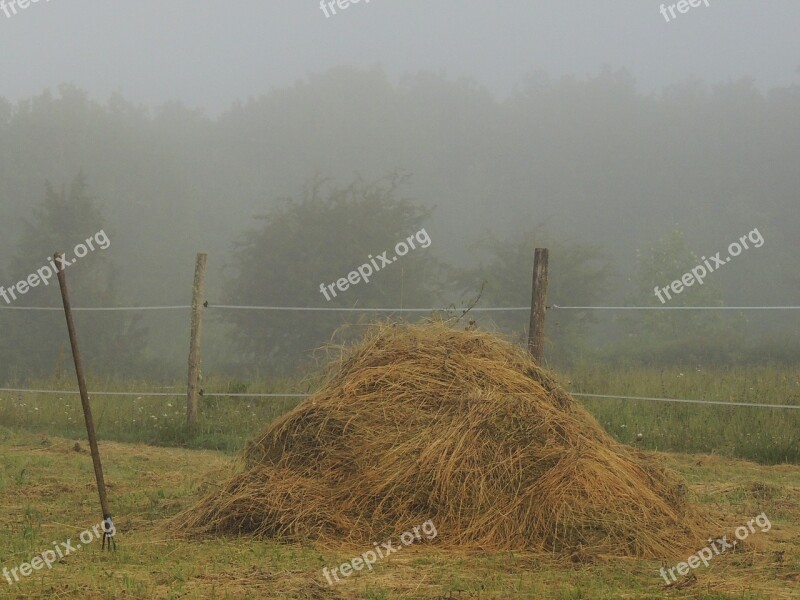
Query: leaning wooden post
point(538, 305)
point(108, 526)
point(198, 292)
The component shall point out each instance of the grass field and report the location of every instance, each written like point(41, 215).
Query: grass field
point(153, 470)
point(47, 494)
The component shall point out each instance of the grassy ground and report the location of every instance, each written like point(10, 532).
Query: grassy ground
point(154, 469)
point(225, 423)
point(47, 495)
point(766, 435)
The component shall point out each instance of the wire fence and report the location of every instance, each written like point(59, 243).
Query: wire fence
point(273, 308)
point(305, 395)
point(674, 307)
point(397, 309)
point(394, 310)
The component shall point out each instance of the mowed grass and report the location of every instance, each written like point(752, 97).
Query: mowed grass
point(47, 495)
point(226, 423)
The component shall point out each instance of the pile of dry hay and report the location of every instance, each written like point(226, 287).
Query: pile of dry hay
point(421, 422)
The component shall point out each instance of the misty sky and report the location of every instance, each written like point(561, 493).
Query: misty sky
point(209, 54)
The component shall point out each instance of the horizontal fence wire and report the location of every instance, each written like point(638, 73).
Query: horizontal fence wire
point(76, 392)
point(334, 309)
point(274, 308)
point(95, 309)
point(396, 309)
point(305, 395)
point(557, 307)
point(683, 400)
point(154, 394)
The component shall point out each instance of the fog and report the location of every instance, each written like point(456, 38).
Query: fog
point(208, 55)
point(633, 142)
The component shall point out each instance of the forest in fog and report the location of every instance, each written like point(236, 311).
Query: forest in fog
point(296, 187)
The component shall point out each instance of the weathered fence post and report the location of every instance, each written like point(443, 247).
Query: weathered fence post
point(108, 525)
point(198, 293)
point(538, 305)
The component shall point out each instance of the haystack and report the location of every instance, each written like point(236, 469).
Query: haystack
point(427, 422)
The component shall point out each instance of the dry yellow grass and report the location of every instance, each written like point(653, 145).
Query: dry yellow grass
point(419, 422)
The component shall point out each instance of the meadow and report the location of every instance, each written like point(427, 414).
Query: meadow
point(738, 462)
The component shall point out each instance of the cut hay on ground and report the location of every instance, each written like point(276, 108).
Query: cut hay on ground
point(420, 422)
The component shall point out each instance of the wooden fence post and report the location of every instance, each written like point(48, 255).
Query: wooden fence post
point(538, 305)
point(108, 525)
point(198, 293)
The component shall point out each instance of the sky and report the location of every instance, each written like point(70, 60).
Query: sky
point(210, 54)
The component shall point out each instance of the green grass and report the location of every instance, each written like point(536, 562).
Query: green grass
point(47, 494)
point(224, 423)
point(769, 436)
point(766, 435)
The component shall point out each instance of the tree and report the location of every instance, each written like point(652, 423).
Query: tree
point(305, 247)
point(34, 342)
